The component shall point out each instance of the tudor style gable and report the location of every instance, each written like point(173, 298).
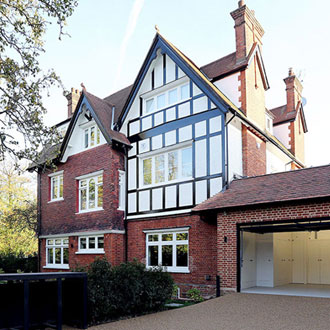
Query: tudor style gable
point(176, 129)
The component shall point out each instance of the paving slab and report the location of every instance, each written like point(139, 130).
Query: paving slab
point(236, 311)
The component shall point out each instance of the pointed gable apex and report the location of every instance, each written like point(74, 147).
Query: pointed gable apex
point(101, 112)
point(187, 66)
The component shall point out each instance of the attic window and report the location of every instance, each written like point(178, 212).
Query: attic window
point(92, 137)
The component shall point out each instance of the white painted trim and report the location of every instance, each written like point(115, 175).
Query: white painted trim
point(56, 200)
point(56, 173)
point(85, 233)
point(56, 267)
point(166, 149)
point(170, 85)
point(90, 252)
point(173, 270)
point(178, 229)
point(149, 215)
point(85, 176)
point(90, 210)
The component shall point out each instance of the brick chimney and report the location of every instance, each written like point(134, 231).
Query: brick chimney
point(296, 130)
point(73, 99)
point(293, 91)
point(247, 30)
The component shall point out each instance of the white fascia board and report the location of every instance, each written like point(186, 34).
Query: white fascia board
point(159, 214)
point(56, 173)
point(163, 230)
point(85, 233)
point(85, 176)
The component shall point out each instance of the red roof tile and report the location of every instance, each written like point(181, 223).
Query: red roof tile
point(222, 66)
point(281, 115)
point(313, 182)
point(103, 110)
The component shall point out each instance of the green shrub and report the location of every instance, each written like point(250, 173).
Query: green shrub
point(11, 263)
point(126, 290)
point(195, 295)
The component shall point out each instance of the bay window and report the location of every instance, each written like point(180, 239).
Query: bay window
point(167, 167)
point(91, 193)
point(57, 253)
point(167, 98)
point(168, 249)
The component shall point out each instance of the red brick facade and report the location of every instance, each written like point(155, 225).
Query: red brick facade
point(227, 227)
point(202, 248)
point(254, 153)
point(61, 216)
point(114, 252)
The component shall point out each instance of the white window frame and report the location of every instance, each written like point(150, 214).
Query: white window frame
point(173, 243)
point(153, 156)
point(98, 136)
point(89, 177)
point(59, 176)
point(122, 190)
point(167, 103)
point(63, 243)
point(269, 127)
point(88, 250)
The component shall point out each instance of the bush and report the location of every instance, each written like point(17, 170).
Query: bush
point(195, 295)
point(126, 290)
point(11, 263)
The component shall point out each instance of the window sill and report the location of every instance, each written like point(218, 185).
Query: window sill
point(173, 270)
point(88, 211)
point(56, 267)
point(90, 252)
point(56, 200)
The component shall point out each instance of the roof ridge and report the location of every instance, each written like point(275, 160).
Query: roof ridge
point(282, 172)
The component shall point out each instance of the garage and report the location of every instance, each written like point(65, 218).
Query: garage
point(291, 258)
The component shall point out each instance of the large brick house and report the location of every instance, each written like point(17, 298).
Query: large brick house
point(145, 173)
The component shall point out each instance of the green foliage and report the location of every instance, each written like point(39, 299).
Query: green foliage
point(18, 214)
point(175, 291)
point(12, 263)
point(126, 290)
point(23, 26)
point(195, 295)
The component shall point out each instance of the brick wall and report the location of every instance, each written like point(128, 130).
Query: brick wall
point(227, 227)
point(61, 216)
point(254, 153)
point(202, 249)
point(114, 252)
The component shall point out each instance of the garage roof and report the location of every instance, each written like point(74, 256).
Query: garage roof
point(313, 182)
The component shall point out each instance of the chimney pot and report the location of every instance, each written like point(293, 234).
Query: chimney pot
point(241, 3)
point(291, 72)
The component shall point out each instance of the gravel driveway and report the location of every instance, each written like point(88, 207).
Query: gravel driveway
point(237, 311)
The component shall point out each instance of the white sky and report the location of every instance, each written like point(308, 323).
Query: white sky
point(107, 37)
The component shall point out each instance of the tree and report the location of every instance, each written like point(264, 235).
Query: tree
point(23, 26)
point(18, 213)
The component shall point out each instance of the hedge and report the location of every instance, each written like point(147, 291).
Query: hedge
point(126, 290)
point(11, 263)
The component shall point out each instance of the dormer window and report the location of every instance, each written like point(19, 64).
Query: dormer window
point(92, 137)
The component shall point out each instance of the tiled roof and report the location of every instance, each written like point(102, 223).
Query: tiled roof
point(103, 110)
point(308, 183)
point(223, 66)
point(118, 99)
point(281, 115)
